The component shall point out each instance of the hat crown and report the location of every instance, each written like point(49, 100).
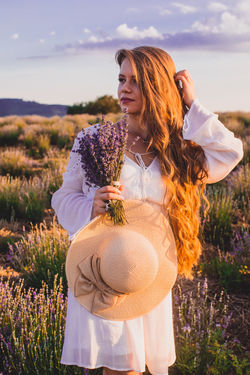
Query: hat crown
point(128, 262)
point(98, 290)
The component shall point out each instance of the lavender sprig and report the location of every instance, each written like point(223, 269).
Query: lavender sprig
point(102, 159)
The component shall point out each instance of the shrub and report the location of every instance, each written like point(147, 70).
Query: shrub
point(52, 180)
point(30, 134)
point(203, 343)
point(237, 121)
point(20, 123)
point(15, 162)
point(234, 124)
point(40, 255)
point(36, 140)
point(40, 146)
point(31, 330)
point(27, 199)
point(103, 104)
point(8, 234)
point(246, 148)
point(62, 133)
point(22, 199)
point(9, 135)
point(33, 322)
point(238, 182)
point(43, 144)
point(216, 227)
point(36, 120)
point(80, 121)
point(230, 268)
point(56, 159)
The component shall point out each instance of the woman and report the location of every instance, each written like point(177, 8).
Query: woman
point(175, 146)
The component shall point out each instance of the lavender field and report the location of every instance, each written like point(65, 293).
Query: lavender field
point(211, 312)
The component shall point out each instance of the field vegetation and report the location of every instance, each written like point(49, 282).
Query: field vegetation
point(211, 312)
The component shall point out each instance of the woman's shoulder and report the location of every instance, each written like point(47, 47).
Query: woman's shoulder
point(89, 130)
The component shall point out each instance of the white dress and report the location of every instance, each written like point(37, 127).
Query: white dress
point(91, 341)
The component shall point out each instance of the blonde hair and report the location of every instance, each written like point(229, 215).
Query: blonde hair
point(182, 161)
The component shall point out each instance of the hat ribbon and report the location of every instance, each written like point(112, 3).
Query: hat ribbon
point(90, 281)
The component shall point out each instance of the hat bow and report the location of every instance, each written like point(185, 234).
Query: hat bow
point(90, 281)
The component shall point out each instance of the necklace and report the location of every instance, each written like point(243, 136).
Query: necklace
point(134, 142)
point(136, 153)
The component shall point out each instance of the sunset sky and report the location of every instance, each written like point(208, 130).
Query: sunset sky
point(62, 51)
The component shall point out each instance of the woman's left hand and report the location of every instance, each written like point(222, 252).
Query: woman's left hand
point(188, 92)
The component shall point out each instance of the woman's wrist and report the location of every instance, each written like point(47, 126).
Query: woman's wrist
point(190, 102)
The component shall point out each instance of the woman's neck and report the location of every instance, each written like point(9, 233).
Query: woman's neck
point(135, 127)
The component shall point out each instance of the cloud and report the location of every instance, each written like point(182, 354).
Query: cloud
point(164, 12)
point(232, 24)
point(126, 32)
point(185, 8)
point(86, 30)
point(226, 24)
point(200, 27)
point(94, 39)
point(186, 40)
point(52, 33)
point(218, 31)
point(42, 41)
point(15, 36)
point(243, 6)
point(216, 7)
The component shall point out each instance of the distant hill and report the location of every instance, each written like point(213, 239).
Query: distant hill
point(20, 107)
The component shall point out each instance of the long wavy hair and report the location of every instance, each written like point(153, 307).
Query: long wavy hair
point(182, 161)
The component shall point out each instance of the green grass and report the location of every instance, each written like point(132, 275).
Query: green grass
point(40, 255)
point(32, 323)
point(217, 226)
point(14, 161)
point(209, 331)
point(203, 342)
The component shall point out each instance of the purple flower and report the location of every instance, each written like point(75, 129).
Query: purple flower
point(102, 152)
point(102, 159)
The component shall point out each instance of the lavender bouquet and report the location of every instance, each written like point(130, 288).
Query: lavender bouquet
point(102, 160)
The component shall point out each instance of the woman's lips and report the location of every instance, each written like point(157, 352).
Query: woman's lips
point(126, 100)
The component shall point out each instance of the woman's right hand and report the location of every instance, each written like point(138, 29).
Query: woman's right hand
point(103, 194)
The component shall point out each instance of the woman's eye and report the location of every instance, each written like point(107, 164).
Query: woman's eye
point(133, 81)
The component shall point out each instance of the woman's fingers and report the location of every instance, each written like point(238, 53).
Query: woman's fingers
point(188, 91)
point(109, 188)
point(186, 80)
point(103, 194)
point(183, 73)
point(108, 192)
point(100, 204)
point(107, 196)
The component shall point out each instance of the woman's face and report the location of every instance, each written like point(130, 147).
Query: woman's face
point(129, 93)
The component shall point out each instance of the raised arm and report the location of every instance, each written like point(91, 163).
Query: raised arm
point(222, 150)
point(71, 204)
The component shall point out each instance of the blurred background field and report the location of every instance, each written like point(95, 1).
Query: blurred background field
point(211, 312)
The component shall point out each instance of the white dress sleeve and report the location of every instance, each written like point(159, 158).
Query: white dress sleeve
point(71, 203)
point(222, 150)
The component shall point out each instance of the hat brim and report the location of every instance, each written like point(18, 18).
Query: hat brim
point(148, 219)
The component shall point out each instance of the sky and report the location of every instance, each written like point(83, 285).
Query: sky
point(62, 51)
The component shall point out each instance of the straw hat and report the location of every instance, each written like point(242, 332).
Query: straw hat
point(122, 272)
